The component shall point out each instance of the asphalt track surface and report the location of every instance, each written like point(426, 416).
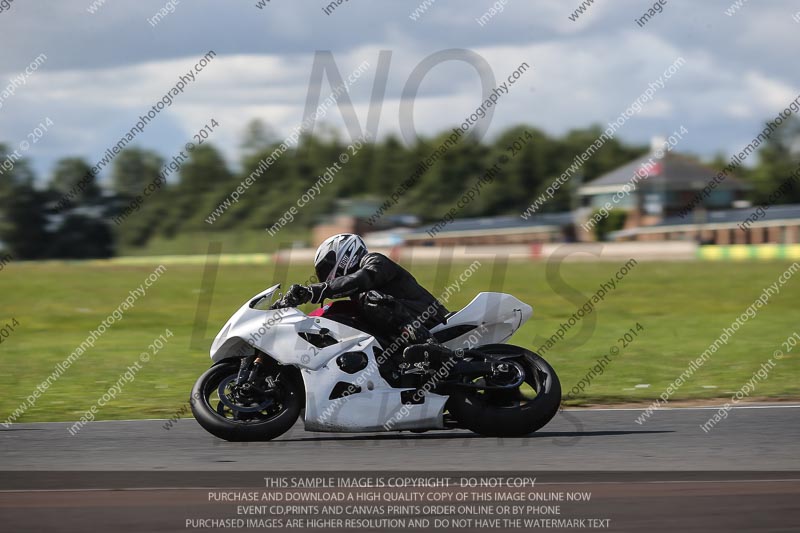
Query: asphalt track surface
point(664, 474)
point(577, 440)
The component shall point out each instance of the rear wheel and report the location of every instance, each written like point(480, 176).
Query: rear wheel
point(509, 412)
point(259, 410)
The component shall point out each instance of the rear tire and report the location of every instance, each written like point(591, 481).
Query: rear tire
point(513, 413)
point(211, 413)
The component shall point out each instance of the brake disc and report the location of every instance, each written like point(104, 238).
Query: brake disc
point(226, 400)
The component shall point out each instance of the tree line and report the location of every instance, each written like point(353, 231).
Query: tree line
point(107, 216)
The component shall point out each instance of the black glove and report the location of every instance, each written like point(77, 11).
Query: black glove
point(296, 295)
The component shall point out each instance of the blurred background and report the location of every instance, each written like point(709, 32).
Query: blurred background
point(585, 73)
point(159, 132)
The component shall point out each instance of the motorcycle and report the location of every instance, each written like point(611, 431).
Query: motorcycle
point(271, 365)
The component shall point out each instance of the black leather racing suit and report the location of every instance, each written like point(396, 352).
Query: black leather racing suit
point(388, 296)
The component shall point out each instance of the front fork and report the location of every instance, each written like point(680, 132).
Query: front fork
point(250, 371)
point(245, 374)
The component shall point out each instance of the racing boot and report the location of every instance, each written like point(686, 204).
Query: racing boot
point(424, 360)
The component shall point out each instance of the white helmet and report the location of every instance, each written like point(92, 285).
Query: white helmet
point(338, 256)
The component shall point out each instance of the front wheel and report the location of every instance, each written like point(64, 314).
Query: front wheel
point(509, 412)
point(255, 411)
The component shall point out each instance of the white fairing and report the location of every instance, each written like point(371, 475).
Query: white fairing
point(496, 317)
point(378, 406)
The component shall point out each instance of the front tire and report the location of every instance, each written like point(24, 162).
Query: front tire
point(260, 418)
point(515, 412)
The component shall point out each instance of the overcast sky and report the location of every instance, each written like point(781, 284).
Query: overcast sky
point(105, 69)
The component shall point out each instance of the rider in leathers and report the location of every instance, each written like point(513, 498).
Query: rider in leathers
point(388, 297)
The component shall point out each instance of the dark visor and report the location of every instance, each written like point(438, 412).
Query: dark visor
point(324, 267)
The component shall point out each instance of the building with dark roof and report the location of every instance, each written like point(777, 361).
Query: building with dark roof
point(543, 228)
point(651, 189)
point(674, 197)
point(666, 198)
point(779, 224)
point(358, 216)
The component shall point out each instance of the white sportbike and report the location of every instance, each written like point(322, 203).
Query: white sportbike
point(271, 365)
